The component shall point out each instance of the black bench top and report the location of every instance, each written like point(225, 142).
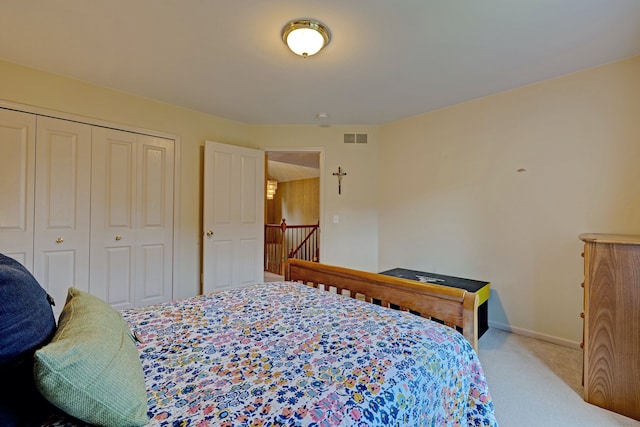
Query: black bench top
point(438, 279)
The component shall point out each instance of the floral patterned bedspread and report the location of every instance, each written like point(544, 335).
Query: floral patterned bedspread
point(284, 354)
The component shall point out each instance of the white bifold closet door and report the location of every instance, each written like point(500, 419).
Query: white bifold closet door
point(131, 218)
point(88, 207)
point(62, 206)
point(17, 166)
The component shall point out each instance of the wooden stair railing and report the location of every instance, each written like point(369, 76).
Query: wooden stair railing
point(283, 241)
point(308, 247)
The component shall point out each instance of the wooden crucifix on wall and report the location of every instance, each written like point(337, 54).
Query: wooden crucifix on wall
point(339, 174)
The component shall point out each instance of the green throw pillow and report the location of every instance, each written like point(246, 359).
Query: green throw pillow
point(91, 369)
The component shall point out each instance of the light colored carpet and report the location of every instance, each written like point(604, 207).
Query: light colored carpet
point(270, 277)
point(536, 383)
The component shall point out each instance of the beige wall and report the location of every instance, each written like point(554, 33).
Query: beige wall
point(353, 242)
point(27, 86)
point(452, 200)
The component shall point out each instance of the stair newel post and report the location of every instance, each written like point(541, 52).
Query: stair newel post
point(283, 228)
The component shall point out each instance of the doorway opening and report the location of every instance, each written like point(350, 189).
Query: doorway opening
point(293, 179)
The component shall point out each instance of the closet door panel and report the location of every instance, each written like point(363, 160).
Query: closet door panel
point(62, 206)
point(154, 230)
point(152, 280)
point(56, 273)
point(17, 157)
point(113, 207)
point(118, 274)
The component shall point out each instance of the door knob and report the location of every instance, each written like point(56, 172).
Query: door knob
point(209, 233)
point(118, 237)
point(59, 240)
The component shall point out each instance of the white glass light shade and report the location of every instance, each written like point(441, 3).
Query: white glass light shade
point(305, 37)
point(305, 41)
point(271, 189)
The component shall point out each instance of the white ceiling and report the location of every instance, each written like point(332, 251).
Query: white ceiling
point(284, 166)
point(283, 171)
point(387, 60)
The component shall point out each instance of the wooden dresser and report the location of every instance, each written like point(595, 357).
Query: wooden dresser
point(611, 331)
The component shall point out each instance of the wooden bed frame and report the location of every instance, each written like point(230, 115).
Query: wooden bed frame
point(454, 307)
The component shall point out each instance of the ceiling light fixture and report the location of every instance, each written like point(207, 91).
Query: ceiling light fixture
point(272, 186)
point(305, 37)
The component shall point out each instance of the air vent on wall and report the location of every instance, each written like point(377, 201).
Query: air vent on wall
point(357, 138)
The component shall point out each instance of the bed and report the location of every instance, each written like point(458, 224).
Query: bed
point(295, 353)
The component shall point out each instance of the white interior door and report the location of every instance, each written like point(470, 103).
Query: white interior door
point(62, 206)
point(17, 157)
point(233, 217)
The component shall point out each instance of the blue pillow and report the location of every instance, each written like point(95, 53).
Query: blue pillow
point(26, 317)
point(26, 324)
point(21, 404)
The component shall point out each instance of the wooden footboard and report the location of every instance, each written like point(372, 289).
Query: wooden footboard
point(454, 307)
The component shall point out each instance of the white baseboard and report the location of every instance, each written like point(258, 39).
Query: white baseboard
point(537, 335)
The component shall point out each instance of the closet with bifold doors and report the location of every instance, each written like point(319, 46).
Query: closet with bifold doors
point(88, 206)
